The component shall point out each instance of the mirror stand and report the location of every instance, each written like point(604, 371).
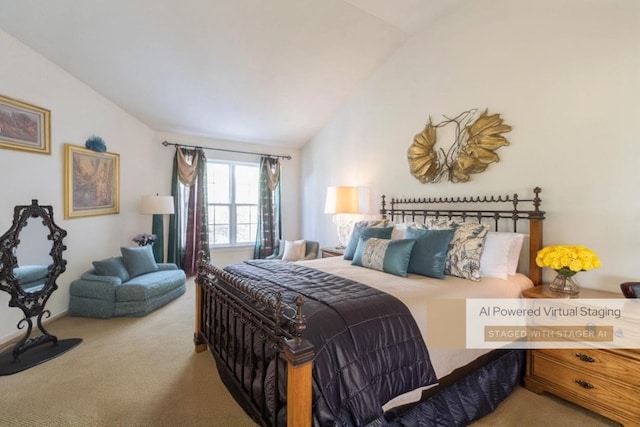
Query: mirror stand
point(30, 283)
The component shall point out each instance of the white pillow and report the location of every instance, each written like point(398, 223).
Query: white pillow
point(500, 254)
point(294, 250)
point(514, 253)
point(400, 230)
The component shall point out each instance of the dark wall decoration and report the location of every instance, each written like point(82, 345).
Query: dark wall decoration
point(476, 137)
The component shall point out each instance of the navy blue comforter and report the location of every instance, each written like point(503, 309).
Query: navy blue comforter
point(368, 348)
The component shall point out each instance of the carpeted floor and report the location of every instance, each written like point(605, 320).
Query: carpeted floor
point(144, 372)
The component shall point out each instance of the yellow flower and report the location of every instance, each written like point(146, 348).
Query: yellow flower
point(567, 260)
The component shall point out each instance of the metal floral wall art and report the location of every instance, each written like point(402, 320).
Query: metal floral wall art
point(476, 138)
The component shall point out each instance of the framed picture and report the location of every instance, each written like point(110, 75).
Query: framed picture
point(91, 182)
point(24, 126)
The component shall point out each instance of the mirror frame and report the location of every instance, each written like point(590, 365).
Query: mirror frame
point(31, 303)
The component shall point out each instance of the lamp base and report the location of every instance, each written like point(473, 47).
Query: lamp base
point(157, 228)
point(343, 222)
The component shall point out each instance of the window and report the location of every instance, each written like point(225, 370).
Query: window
point(232, 192)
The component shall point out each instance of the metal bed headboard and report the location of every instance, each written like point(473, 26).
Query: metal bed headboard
point(512, 208)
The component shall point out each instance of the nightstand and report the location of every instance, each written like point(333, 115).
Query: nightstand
point(332, 251)
point(605, 381)
point(543, 291)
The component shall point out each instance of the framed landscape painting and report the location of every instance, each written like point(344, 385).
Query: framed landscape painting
point(91, 182)
point(24, 126)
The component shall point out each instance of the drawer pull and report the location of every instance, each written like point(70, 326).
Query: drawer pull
point(584, 384)
point(585, 358)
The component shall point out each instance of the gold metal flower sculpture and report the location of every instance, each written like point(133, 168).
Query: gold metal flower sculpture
point(472, 150)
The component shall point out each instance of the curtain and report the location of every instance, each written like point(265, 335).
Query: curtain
point(269, 218)
point(189, 231)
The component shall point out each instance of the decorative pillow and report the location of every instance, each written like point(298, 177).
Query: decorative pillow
point(433, 223)
point(465, 249)
point(400, 230)
point(294, 250)
point(500, 254)
point(138, 260)
point(380, 230)
point(429, 252)
point(113, 266)
point(390, 256)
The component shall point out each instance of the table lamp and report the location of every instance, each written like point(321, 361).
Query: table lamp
point(342, 202)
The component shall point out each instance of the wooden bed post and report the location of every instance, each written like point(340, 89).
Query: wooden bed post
point(299, 355)
point(535, 244)
point(535, 238)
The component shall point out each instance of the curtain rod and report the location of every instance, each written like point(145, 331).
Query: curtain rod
point(166, 143)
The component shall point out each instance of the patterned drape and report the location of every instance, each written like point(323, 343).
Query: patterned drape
point(269, 218)
point(188, 232)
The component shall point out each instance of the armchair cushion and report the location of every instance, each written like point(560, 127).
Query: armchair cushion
point(294, 250)
point(311, 247)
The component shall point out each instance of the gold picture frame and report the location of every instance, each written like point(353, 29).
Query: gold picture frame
point(24, 126)
point(91, 182)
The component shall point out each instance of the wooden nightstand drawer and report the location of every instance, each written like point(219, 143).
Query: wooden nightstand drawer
point(330, 252)
point(586, 387)
point(607, 364)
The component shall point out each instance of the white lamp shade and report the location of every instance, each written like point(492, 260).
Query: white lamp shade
point(152, 205)
point(341, 200)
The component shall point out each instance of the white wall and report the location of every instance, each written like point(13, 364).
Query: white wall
point(77, 112)
point(565, 75)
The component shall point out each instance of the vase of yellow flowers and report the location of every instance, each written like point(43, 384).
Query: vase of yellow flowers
point(567, 261)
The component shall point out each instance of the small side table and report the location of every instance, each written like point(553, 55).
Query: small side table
point(332, 251)
point(605, 381)
point(543, 291)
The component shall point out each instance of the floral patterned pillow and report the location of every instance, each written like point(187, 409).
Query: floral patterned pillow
point(465, 248)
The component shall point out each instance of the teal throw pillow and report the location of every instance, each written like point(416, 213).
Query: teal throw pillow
point(362, 229)
point(430, 251)
point(139, 260)
point(111, 267)
point(390, 256)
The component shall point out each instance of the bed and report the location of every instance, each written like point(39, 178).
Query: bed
point(336, 342)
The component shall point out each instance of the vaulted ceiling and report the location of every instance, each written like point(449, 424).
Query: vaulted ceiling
point(262, 71)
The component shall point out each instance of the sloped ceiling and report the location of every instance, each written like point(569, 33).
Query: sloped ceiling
point(262, 71)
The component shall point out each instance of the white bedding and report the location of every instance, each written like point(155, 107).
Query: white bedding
point(414, 291)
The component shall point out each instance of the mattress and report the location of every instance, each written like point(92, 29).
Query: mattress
point(415, 292)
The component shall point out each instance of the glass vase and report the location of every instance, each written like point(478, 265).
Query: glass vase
point(564, 284)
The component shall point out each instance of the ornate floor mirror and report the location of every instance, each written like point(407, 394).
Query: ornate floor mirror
point(30, 263)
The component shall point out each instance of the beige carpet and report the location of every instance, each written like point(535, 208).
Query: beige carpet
point(144, 372)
